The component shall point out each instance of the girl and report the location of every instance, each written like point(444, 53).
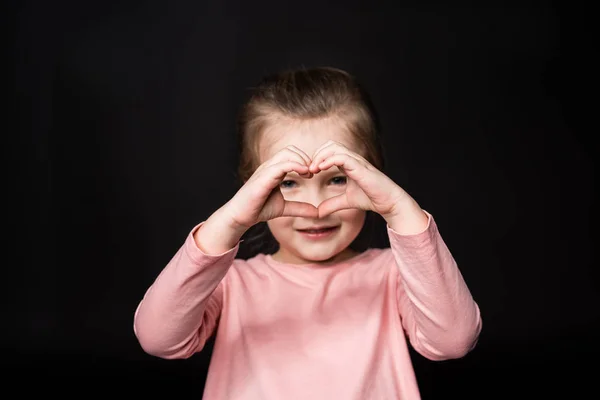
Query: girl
point(316, 319)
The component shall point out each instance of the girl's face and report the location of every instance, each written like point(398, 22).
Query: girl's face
point(303, 240)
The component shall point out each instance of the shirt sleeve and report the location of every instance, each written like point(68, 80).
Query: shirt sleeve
point(180, 310)
point(438, 313)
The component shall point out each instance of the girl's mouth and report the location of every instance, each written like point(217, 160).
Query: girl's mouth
point(318, 233)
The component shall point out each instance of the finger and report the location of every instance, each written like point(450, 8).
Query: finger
point(349, 164)
point(333, 204)
point(285, 154)
point(301, 153)
point(317, 155)
point(326, 144)
point(299, 209)
point(275, 173)
point(304, 156)
point(291, 153)
point(329, 151)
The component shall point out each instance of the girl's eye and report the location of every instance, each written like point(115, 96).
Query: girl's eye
point(339, 180)
point(288, 184)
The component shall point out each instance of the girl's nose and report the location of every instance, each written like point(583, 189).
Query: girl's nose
point(314, 197)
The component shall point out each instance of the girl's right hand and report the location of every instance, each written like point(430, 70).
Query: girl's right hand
point(260, 199)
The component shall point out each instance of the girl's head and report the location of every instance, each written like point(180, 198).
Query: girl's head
point(302, 95)
point(306, 108)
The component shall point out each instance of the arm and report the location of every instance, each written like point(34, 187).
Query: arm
point(438, 312)
point(179, 312)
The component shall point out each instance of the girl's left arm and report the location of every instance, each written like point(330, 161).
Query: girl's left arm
point(438, 312)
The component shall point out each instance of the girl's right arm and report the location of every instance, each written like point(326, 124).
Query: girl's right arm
point(179, 312)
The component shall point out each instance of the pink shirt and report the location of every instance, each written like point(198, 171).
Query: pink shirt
point(287, 331)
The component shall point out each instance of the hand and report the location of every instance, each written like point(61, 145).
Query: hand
point(367, 187)
point(260, 199)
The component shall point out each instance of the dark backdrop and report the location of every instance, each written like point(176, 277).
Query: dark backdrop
point(123, 131)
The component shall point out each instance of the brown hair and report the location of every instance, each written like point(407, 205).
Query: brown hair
point(307, 93)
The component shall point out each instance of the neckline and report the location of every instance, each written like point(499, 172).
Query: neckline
point(313, 265)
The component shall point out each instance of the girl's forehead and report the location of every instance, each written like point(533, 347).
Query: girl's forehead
point(308, 136)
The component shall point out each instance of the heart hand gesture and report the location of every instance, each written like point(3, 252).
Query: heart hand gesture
point(367, 189)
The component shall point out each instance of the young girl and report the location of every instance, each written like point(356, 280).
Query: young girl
point(316, 319)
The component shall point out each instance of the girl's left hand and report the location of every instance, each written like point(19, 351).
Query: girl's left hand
point(367, 187)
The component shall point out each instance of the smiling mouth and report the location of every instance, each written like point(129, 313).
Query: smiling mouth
point(318, 231)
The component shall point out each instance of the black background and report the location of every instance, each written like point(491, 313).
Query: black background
point(123, 131)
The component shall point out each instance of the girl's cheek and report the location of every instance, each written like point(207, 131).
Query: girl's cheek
point(353, 215)
point(290, 194)
point(334, 190)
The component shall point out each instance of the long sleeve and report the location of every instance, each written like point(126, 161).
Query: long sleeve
point(180, 311)
point(440, 316)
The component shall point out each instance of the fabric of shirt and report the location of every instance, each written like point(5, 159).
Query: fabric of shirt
point(310, 331)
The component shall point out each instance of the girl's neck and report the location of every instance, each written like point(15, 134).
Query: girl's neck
point(285, 257)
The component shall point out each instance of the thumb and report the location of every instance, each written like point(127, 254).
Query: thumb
point(299, 209)
point(333, 204)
